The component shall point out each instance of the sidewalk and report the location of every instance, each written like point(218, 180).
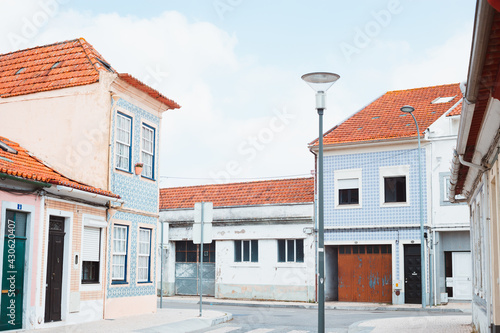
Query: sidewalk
point(164, 320)
point(450, 307)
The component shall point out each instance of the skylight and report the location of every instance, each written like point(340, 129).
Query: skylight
point(55, 65)
point(20, 70)
point(440, 100)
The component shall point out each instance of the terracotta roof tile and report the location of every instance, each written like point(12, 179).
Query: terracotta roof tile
point(382, 119)
point(457, 111)
point(26, 166)
point(35, 70)
point(61, 65)
point(297, 190)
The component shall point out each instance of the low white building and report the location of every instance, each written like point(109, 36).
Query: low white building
point(263, 243)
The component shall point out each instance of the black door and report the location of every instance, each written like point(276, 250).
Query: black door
point(53, 290)
point(413, 276)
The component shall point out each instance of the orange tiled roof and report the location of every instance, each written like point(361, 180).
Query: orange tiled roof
point(457, 111)
point(61, 65)
point(298, 190)
point(27, 166)
point(382, 119)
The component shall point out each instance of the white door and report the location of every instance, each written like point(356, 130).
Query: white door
point(462, 275)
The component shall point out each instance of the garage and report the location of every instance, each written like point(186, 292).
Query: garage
point(365, 273)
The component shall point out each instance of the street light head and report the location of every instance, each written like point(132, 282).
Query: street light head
point(407, 109)
point(320, 81)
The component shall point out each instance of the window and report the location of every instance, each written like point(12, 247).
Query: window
point(187, 251)
point(440, 100)
point(148, 148)
point(246, 251)
point(395, 189)
point(144, 260)
point(290, 250)
point(120, 238)
point(348, 191)
point(394, 185)
point(91, 253)
point(348, 187)
point(123, 141)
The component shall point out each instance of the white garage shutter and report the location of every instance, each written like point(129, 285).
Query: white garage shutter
point(91, 244)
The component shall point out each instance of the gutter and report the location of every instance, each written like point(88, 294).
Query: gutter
point(24, 180)
point(85, 195)
point(482, 28)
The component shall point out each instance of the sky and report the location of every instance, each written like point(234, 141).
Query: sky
point(235, 68)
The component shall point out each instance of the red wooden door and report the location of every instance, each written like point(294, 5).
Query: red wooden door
point(365, 273)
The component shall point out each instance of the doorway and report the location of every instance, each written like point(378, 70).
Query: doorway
point(187, 268)
point(13, 270)
point(55, 256)
point(413, 275)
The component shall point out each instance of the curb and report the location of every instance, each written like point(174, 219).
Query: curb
point(331, 307)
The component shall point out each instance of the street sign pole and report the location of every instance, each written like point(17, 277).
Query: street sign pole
point(201, 259)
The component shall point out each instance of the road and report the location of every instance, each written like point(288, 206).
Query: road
point(295, 320)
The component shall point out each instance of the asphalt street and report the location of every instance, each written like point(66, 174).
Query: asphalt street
point(296, 320)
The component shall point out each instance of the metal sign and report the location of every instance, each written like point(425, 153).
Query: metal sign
point(208, 212)
point(207, 233)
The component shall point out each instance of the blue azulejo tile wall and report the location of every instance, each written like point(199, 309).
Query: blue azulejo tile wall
point(138, 192)
point(132, 288)
point(371, 213)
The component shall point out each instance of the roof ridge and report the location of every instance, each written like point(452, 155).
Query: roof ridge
point(39, 47)
point(428, 87)
point(237, 183)
point(85, 51)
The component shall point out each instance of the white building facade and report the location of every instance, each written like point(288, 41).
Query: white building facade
point(263, 241)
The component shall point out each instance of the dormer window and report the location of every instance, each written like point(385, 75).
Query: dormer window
point(440, 100)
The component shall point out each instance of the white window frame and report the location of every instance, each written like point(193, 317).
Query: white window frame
point(249, 261)
point(94, 222)
point(294, 251)
point(144, 255)
point(116, 254)
point(394, 171)
point(445, 190)
point(121, 143)
point(347, 174)
point(148, 153)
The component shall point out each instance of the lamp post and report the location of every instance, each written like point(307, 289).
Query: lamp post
point(320, 82)
point(410, 109)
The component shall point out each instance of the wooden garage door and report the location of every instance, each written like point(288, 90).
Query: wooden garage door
point(365, 273)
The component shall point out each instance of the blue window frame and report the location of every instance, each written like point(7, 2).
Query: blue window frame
point(123, 142)
point(144, 256)
point(120, 254)
point(148, 135)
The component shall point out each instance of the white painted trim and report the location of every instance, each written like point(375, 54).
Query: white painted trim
point(67, 259)
point(394, 171)
point(95, 221)
point(348, 174)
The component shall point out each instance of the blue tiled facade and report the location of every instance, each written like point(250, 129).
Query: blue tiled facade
point(140, 194)
point(347, 223)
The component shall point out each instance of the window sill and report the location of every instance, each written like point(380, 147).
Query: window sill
point(90, 286)
point(395, 204)
point(127, 172)
point(119, 282)
point(148, 178)
point(352, 206)
point(144, 282)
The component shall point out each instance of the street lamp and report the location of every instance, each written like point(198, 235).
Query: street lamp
point(410, 109)
point(320, 82)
